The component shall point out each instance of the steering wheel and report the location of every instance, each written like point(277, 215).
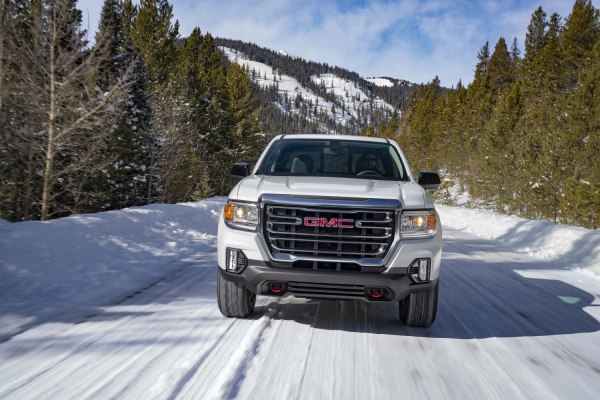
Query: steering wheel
point(369, 172)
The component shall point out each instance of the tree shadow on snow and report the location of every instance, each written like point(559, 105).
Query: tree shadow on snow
point(478, 299)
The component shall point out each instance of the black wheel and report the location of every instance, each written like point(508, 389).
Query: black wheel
point(420, 308)
point(234, 299)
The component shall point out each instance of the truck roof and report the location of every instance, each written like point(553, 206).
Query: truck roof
point(333, 137)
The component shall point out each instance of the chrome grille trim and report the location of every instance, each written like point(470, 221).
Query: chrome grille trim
point(328, 252)
point(370, 238)
point(386, 236)
point(381, 244)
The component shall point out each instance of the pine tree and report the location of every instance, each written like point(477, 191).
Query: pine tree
point(419, 137)
point(581, 198)
point(183, 124)
point(535, 37)
point(500, 67)
point(10, 150)
point(515, 53)
point(581, 32)
point(155, 36)
point(246, 137)
point(484, 58)
point(502, 148)
point(542, 77)
point(128, 179)
point(218, 120)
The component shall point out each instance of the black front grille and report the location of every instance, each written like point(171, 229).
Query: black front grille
point(328, 232)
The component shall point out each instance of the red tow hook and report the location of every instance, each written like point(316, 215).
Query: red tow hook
point(276, 288)
point(375, 293)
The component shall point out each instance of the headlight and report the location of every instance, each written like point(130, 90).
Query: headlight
point(418, 224)
point(240, 215)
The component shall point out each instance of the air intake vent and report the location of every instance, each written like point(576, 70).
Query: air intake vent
point(326, 290)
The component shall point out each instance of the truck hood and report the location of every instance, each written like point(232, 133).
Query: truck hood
point(410, 194)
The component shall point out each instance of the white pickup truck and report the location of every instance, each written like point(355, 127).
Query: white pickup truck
point(331, 217)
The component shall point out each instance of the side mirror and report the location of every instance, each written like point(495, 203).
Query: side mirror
point(429, 180)
point(240, 170)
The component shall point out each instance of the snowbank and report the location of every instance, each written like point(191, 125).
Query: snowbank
point(570, 246)
point(61, 269)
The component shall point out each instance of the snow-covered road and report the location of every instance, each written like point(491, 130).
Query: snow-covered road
point(509, 326)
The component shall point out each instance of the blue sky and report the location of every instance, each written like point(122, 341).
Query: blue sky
point(405, 39)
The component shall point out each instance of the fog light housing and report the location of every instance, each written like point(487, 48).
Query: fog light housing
point(420, 270)
point(236, 261)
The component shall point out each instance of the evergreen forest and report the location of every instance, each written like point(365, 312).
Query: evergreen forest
point(524, 137)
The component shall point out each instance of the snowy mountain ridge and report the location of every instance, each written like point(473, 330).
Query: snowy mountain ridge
point(348, 102)
point(303, 96)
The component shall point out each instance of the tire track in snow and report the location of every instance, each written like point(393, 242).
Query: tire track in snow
point(230, 358)
point(177, 281)
point(145, 355)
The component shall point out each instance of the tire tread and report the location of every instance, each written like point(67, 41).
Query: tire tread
point(420, 308)
point(235, 301)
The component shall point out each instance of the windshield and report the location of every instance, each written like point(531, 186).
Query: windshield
point(334, 158)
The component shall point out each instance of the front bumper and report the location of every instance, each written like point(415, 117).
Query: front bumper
point(326, 285)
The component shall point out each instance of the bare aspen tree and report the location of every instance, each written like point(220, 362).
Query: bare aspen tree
point(74, 115)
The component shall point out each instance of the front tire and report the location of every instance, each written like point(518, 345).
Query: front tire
point(420, 308)
point(234, 299)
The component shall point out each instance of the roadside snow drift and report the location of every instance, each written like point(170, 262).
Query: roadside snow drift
point(570, 246)
point(65, 266)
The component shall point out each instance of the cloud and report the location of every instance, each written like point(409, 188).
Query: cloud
point(407, 39)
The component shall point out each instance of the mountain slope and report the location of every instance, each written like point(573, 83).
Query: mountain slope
point(300, 96)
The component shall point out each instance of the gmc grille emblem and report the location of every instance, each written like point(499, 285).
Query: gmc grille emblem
point(329, 223)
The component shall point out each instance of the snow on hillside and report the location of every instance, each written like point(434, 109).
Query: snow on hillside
point(380, 82)
point(346, 91)
point(60, 269)
point(266, 77)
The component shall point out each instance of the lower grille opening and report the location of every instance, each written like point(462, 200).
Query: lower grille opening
point(335, 291)
point(303, 289)
point(327, 266)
